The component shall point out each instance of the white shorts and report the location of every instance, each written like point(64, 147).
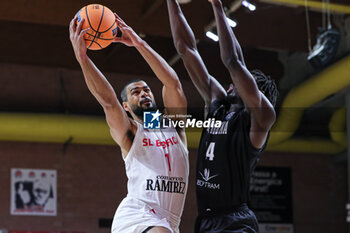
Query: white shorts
point(135, 216)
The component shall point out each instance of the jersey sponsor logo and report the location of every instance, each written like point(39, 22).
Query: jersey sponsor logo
point(159, 143)
point(206, 177)
point(166, 184)
point(209, 185)
point(218, 130)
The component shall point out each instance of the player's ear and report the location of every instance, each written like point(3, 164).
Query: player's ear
point(126, 106)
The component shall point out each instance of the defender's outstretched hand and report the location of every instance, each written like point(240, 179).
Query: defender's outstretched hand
point(129, 37)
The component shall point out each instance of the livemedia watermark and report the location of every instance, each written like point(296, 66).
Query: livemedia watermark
point(157, 120)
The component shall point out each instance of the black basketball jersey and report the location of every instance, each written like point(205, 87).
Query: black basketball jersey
point(226, 160)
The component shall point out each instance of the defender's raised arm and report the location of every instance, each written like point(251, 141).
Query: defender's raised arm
point(185, 44)
point(263, 114)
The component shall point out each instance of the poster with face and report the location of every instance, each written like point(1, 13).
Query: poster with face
point(33, 192)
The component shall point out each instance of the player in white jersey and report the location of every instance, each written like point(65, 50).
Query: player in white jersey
point(156, 161)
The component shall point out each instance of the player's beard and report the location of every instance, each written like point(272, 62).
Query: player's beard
point(138, 110)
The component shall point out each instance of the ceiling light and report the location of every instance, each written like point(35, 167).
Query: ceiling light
point(250, 6)
point(231, 22)
point(212, 36)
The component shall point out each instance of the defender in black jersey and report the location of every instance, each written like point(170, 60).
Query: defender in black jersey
point(227, 156)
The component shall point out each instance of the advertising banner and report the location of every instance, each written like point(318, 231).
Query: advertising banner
point(271, 199)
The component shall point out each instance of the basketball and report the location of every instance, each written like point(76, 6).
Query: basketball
point(102, 24)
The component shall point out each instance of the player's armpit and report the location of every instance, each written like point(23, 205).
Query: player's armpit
point(122, 128)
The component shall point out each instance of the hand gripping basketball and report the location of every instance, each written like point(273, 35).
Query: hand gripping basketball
point(76, 35)
point(128, 35)
point(102, 23)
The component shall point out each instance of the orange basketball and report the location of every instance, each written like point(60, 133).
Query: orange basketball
point(102, 24)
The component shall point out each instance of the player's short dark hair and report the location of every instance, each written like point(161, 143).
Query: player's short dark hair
point(266, 85)
point(123, 94)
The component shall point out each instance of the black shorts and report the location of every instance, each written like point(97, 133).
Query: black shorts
point(242, 220)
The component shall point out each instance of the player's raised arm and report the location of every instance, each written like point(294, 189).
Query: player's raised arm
point(243, 80)
point(173, 95)
point(98, 85)
point(185, 44)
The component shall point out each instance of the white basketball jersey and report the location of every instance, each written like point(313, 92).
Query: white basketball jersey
point(157, 168)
